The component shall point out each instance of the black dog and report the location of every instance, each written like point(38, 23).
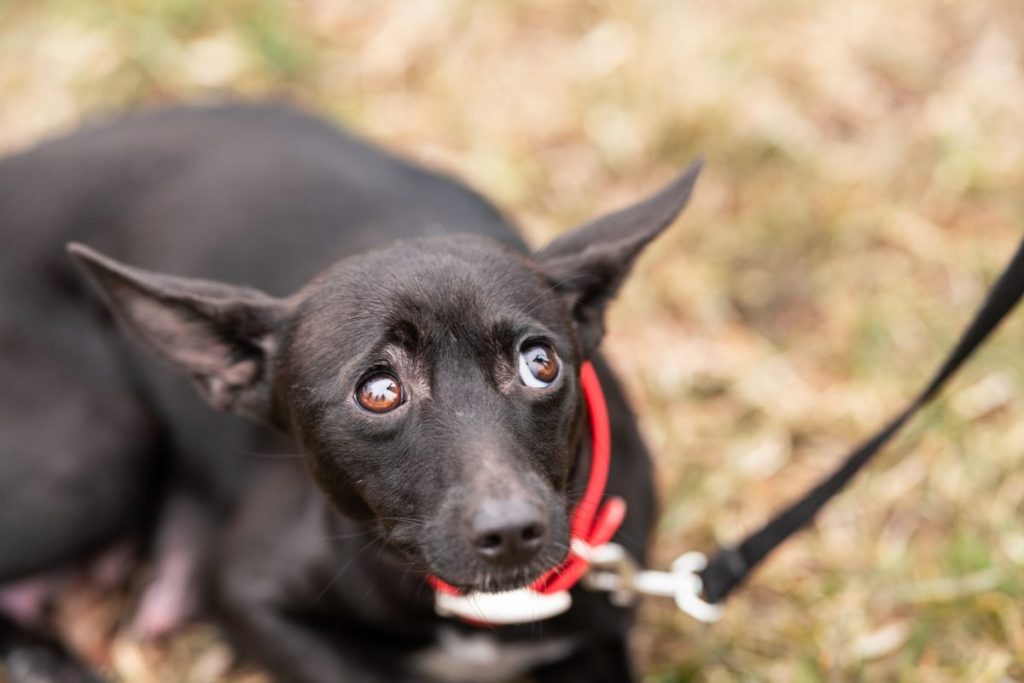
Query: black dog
point(430, 378)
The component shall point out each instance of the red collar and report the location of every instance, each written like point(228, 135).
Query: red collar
point(593, 523)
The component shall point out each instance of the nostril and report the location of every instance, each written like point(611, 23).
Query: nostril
point(532, 532)
point(490, 541)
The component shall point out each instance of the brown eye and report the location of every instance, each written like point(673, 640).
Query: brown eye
point(379, 393)
point(538, 365)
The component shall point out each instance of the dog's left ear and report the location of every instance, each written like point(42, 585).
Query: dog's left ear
point(587, 265)
point(223, 336)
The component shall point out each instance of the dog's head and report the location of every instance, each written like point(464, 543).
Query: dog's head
point(432, 384)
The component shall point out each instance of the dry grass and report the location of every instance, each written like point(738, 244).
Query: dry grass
point(865, 183)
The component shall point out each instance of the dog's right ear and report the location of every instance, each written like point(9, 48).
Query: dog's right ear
point(223, 336)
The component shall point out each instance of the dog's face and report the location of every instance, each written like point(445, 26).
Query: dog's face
point(433, 387)
point(433, 384)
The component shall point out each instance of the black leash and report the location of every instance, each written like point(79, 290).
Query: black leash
point(730, 566)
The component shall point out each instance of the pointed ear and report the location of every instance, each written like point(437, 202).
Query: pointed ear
point(223, 336)
point(588, 264)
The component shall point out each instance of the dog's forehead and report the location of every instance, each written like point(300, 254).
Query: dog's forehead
point(460, 286)
point(451, 264)
point(440, 275)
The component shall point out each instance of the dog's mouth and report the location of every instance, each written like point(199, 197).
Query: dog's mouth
point(498, 582)
point(478, 579)
point(442, 552)
point(481, 578)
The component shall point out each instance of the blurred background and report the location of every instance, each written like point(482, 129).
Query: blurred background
point(865, 183)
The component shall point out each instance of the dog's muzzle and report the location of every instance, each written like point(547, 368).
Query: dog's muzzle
point(595, 520)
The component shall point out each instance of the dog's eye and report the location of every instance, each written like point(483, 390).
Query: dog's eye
point(380, 393)
point(538, 365)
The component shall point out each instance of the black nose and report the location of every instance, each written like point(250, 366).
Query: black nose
point(507, 531)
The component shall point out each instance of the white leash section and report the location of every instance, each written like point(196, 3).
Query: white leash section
point(611, 571)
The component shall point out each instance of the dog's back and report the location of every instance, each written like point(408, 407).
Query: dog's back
point(260, 195)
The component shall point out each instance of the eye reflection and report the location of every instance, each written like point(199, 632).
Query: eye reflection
point(538, 365)
point(380, 393)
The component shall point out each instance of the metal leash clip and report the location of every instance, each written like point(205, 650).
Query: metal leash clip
point(614, 571)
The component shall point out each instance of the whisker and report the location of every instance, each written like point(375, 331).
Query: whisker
point(374, 578)
point(341, 571)
point(351, 534)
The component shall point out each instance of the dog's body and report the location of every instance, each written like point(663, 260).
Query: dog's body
point(99, 443)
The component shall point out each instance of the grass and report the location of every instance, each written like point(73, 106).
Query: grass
point(864, 185)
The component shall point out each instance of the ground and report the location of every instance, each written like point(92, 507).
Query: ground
point(864, 184)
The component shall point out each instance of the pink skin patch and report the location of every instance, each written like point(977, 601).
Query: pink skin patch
point(28, 601)
point(168, 601)
point(25, 601)
point(112, 568)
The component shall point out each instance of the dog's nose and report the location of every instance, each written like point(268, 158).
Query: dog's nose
point(507, 531)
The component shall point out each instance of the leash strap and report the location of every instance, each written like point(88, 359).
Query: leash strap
point(730, 566)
